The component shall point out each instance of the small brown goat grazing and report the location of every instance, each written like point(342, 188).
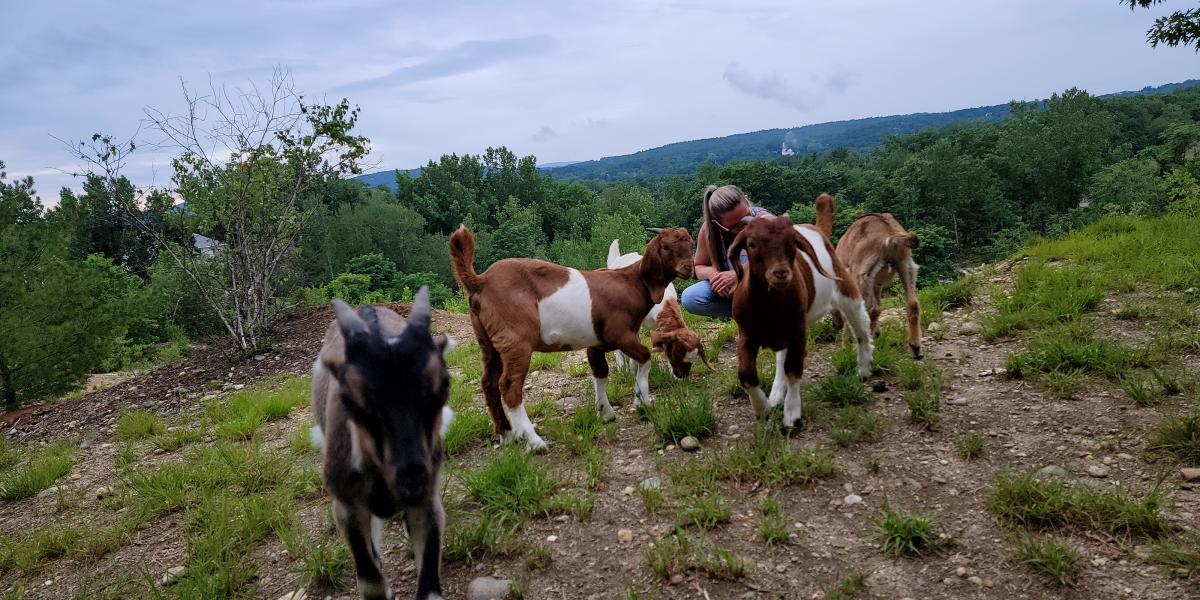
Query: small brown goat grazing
point(787, 284)
point(875, 249)
point(670, 334)
point(379, 398)
point(522, 305)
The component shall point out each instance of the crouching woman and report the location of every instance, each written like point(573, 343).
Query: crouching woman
point(724, 208)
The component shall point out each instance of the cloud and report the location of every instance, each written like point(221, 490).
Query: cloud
point(774, 87)
point(466, 57)
point(544, 134)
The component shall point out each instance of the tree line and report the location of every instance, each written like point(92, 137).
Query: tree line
point(113, 278)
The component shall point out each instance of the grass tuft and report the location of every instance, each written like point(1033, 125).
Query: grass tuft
point(680, 552)
point(847, 587)
point(37, 473)
point(678, 414)
point(470, 425)
point(511, 485)
point(705, 512)
point(971, 447)
point(838, 390)
point(904, 533)
point(1144, 391)
point(854, 424)
point(327, 566)
point(924, 407)
point(580, 432)
point(772, 528)
point(1027, 502)
point(1178, 436)
point(1181, 553)
point(1055, 561)
point(763, 457)
point(138, 424)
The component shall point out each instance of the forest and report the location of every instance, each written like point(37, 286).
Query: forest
point(112, 277)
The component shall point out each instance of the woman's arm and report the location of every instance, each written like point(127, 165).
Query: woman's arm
point(704, 268)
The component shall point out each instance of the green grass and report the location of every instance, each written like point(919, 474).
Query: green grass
point(1024, 501)
point(581, 431)
point(1144, 391)
point(765, 457)
point(225, 467)
point(1178, 436)
point(38, 472)
point(854, 424)
point(471, 538)
point(512, 484)
point(300, 443)
point(470, 425)
point(837, 390)
point(223, 531)
point(1158, 251)
point(545, 361)
point(705, 512)
point(682, 411)
point(1043, 295)
point(327, 565)
point(772, 528)
point(138, 424)
point(890, 351)
point(245, 411)
point(936, 299)
point(823, 332)
point(173, 440)
point(538, 557)
point(847, 587)
point(1069, 348)
point(1180, 552)
point(924, 408)
point(1063, 384)
point(680, 551)
point(652, 497)
point(1055, 561)
point(905, 533)
point(971, 447)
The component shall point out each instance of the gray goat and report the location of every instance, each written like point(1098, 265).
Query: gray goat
point(379, 395)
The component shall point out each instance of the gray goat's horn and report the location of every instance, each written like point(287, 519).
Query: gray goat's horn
point(419, 315)
point(348, 320)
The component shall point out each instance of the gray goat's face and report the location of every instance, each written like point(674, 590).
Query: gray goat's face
point(394, 390)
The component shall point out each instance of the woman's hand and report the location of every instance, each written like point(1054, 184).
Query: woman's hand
point(723, 283)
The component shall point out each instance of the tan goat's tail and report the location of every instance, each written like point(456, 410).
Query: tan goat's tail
point(825, 215)
point(904, 239)
point(462, 259)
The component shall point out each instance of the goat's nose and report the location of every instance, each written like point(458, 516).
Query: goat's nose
point(780, 273)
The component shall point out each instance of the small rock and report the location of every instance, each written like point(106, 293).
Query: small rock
point(677, 579)
point(628, 491)
point(780, 568)
point(104, 492)
point(1108, 460)
point(1049, 471)
point(260, 357)
point(299, 594)
point(934, 327)
point(1124, 456)
point(76, 476)
point(975, 580)
point(180, 390)
point(50, 491)
point(1097, 471)
point(957, 401)
point(172, 575)
point(552, 538)
point(1190, 474)
point(651, 483)
point(689, 444)
point(961, 571)
point(969, 328)
point(851, 499)
point(880, 386)
point(489, 588)
point(625, 535)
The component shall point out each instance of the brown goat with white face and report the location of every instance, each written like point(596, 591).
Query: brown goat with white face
point(875, 249)
point(792, 279)
point(520, 305)
point(379, 399)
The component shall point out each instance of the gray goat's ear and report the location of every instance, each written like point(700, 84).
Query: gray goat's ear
point(419, 315)
point(354, 329)
point(445, 344)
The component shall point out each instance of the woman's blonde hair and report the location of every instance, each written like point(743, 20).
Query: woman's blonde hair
point(719, 200)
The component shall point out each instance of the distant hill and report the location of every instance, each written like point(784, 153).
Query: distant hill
point(682, 158)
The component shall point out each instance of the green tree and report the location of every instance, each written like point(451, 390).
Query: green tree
point(519, 234)
point(376, 266)
point(1179, 27)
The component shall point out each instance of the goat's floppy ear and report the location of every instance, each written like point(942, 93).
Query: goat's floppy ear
point(654, 269)
point(445, 344)
point(419, 315)
point(735, 253)
point(704, 358)
point(354, 329)
point(807, 248)
point(659, 340)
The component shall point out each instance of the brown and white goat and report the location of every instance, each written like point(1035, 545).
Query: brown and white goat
point(379, 394)
point(875, 249)
point(787, 284)
point(522, 305)
point(670, 334)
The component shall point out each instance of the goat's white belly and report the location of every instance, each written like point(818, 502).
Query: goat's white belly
point(566, 315)
point(823, 286)
point(651, 320)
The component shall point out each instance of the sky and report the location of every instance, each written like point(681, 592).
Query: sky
point(561, 80)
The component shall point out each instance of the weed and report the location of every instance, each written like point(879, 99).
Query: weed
point(545, 361)
point(138, 424)
point(924, 407)
point(847, 587)
point(1043, 295)
point(223, 532)
point(823, 332)
point(173, 440)
point(37, 473)
point(301, 443)
point(247, 410)
point(680, 551)
point(1179, 437)
point(970, 447)
point(1181, 552)
point(875, 467)
point(512, 485)
point(573, 502)
point(1142, 390)
point(1069, 348)
point(580, 432)
point(538, 557)
point(577, 369)
point(771, 528)
point(1055, 561)
point(1171, 385)
point(471, 538)
point(679, 413)
point(469, 426)
point(763, 457)
point(903, 533)
point(705, 512)
point(326, 566)
point(854, 424)
point(1063, 384)
point(838, 390)
point(1128, 312)
point(1033, 504)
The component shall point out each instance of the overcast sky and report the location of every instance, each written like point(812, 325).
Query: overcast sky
point(562, 80)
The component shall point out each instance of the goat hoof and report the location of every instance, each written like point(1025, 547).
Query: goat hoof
point(796, 425)
point(916, 351)
point(607, 414)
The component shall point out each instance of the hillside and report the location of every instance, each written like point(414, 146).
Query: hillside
point(682, 158)
point(1075, 361)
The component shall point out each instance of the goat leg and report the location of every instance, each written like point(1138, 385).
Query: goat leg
point(748, 375)
point(631, 345)
point(908, 276)
point(779, 384)
point(599, 366)
point(793, 367)
point(355, 524)
point(425, 526)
